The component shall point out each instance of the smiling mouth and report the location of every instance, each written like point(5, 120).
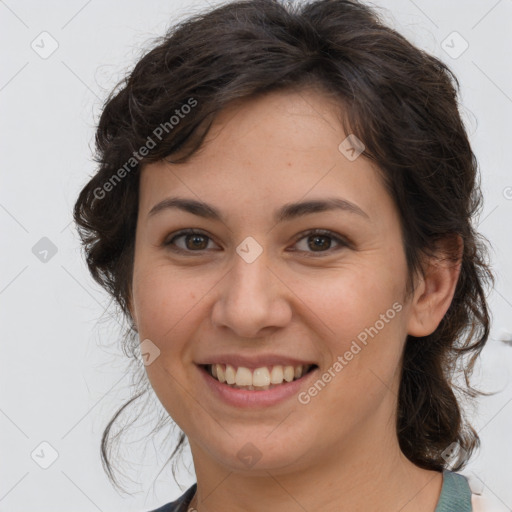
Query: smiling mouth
point(259, 379)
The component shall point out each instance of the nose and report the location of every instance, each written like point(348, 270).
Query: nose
point(253, 299)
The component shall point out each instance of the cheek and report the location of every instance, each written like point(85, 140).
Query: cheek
point(163, 303)
point(358, 315)
point(348, 299)
point(165, 308)
point(362, 349)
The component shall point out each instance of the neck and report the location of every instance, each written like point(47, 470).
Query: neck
point(379, 478)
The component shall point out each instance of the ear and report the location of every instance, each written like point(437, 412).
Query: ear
point(434, 292)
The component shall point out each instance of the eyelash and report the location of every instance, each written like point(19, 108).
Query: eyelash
point(322, 232)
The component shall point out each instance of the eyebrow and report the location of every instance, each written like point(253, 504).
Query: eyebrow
point(287, 212)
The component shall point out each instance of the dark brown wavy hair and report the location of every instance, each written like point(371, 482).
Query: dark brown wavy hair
point(400, 101)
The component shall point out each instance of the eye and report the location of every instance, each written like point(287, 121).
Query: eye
point(318, 241)
point(194, 241)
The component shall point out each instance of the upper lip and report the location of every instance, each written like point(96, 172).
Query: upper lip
point(253, 362)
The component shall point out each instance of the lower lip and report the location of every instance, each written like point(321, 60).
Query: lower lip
point(263, 398)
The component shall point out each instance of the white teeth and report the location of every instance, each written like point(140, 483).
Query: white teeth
point(243, 377)
point(230, 374)
point(260, 378)
point(289, 373)
point(276, 375)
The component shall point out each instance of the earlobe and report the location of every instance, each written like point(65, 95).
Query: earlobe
point(435, 291)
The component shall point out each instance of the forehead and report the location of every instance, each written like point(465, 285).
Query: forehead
point(277, 148)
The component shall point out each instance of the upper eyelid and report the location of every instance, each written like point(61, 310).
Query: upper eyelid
point(185, 232)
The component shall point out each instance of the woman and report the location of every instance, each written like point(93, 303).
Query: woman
point(283, 211)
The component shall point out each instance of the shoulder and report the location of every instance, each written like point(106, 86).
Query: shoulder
point(482, 504)
point(179, 505)
point(481, 499)
point(478, 504)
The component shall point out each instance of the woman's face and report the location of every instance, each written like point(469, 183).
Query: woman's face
point(255, 290)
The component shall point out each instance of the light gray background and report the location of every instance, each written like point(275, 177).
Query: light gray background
point(61, 376)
